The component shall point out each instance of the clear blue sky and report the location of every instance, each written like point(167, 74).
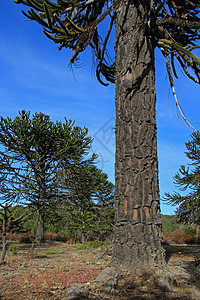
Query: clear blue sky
point(35, 76)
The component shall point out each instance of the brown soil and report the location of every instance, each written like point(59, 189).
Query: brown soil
point(48, 271)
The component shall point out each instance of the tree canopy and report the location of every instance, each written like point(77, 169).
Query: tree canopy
point(90, 201)
point(188, 179)
point(173, 24)
point(34, 151)
point(9, 221)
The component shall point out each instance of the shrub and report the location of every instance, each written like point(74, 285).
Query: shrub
point(27, 238)
point(190, 230)
point(166, 239)
point(42, 255)
point(13, 249)
point(12, 236)
point(61, 237)
point(50, 236)
point(180, 236)
point(94, 244)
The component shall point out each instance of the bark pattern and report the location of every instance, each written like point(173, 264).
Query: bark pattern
point(138, 230)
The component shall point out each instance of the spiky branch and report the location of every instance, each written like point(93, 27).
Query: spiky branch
point(174, 24)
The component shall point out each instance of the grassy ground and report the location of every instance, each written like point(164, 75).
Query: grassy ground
point(48, 270)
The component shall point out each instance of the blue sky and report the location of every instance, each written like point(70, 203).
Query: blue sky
point(35, 76)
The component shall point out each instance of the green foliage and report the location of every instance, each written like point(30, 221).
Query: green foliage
point(35, 151)
point(93, 244)
point(188, 179)
point(174, 26)
point(66, 226)
point(11, 218)
point(45, 253)
point(169, 223)
point(52, 251)
point(13, 249)
point(43, 164)
point(89, 210)
point(190, 230)
point(42, 255)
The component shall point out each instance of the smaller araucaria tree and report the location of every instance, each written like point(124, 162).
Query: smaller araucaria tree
point(9, 221)
point(188, 210)
point(90, 201)
point(34, 151)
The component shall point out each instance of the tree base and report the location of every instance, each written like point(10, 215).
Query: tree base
point(107, 281)
point(168, 283)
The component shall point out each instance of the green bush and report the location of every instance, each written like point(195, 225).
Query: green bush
point(190, 230)
point(93, 244)
point(13, 249)
point(42, 255)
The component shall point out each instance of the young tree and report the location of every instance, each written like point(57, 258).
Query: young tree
point(188, 210)
point(9, 221)
point(140, 26)
point(35, 150)
point(90, 193)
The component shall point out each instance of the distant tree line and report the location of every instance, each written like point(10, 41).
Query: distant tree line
point(49, 175)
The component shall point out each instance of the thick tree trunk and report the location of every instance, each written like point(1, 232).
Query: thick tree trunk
point(138, 232)
point(40, 227)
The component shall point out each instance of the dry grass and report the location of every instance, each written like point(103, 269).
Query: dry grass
point(53, 267)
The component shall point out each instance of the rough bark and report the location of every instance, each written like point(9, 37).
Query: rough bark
point(138, 233)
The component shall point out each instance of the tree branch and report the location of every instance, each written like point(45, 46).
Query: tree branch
point(179, 22)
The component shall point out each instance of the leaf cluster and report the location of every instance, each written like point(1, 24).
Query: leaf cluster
point(10, 219)
point(47, 166)
point(34, 151)
point(74, 25)
point(188, 179)
point(174, 25)
point(178, 34)
point(89, 205)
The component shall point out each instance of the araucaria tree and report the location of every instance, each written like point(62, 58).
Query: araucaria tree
point(140, 26)
point(90, 199)
point(187, 179)
point(8, 222)
point(33, 152)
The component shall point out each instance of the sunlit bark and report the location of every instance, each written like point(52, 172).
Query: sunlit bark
point(138, 231)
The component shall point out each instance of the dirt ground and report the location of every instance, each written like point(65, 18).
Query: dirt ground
point(51, 268)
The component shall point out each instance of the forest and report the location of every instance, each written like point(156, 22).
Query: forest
point(61, 226)
point(47, 166)
point(57, 211)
